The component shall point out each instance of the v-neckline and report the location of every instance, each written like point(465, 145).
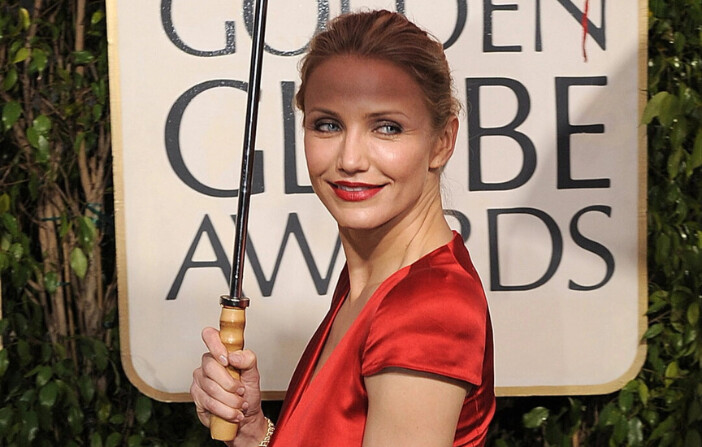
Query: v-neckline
point(315, 372)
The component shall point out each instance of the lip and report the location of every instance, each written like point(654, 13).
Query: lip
point(354, 191)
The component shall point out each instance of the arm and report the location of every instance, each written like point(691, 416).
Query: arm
point(214, 391)
point(409, 408)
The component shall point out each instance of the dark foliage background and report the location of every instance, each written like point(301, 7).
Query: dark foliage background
point(61, 382)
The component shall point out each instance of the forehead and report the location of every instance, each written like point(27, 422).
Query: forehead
point(359, 79)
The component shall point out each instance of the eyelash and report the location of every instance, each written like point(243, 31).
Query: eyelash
point(393, 128)
point(384, 128)
point(324, 126)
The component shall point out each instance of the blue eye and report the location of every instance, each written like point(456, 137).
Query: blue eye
point(389, 129)
point(327, 126)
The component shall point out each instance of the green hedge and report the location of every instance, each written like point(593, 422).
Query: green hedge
point(61, 382)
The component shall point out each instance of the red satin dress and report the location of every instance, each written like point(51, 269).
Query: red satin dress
point(432, 317)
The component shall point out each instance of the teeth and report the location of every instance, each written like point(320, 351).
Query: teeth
point(351, 188)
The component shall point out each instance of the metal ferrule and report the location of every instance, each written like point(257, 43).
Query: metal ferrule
point(232, 301)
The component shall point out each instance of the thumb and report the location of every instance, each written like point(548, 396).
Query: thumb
point(247, 363)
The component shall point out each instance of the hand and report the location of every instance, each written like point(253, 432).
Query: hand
point(214, 391)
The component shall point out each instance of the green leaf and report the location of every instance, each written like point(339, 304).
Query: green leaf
point(693, 313)
point(143, 409)
point(635, 432)
point(10, 114)
point(694, 413)
point(21, 55)
point(51, 282)
point(16, 251)
point(44, 374)
point(5, 419)
point(696, 156)
point(75, 420)
point(669, 110)
point(117, 419)
point(48, 394)
point(674, 161)
point(103, 412)
point(10, 79)
point(78, 141)
point(535, 418)
point(4, 362)
point(113, 440)
point(102, 355)
point(43, 149)
point(87, 389)
point(4, 203)
point(678, 133)
point(653, 331)
point(97, 17)
point(621, 430)
point(25, 356)
point(10, 223)
point(24, 19)
point(662, 428)
point(83, 57)
point(692, 438)
point(672, 372)
point(625, 401)
point(643, 392)
point(42, 124)
point(33, 137)
point(39, 60)
point(650, 417)
point(609, 415)
point(30, 426)
point(96, 440)
point(134, 441)
point(97, 112)
point(79, 263)
point(653, 107)
point(87, 232)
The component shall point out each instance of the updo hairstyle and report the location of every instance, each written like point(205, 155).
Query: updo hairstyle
point(391, 37)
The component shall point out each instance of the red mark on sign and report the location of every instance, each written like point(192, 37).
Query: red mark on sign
point(585, 23)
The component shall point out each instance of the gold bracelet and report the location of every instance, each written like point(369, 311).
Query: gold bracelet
point(269, 433)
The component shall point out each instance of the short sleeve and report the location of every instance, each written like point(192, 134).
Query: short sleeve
point(434, 320)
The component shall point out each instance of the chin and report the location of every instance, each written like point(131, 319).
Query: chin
point(358, 223)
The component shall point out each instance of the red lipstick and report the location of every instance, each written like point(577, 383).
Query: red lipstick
point(354, 191)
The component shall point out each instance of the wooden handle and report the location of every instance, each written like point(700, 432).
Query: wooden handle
point(231, 331)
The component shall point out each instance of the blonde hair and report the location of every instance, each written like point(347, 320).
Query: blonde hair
point(391, 37)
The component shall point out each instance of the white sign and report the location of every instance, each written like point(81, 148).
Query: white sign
point(546, 184)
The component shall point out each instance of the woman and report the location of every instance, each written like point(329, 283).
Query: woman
point(404, 357)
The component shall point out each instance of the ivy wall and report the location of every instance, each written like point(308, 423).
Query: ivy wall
point(61, 381)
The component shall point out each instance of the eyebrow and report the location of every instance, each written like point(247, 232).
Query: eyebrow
point(323, 111)
point(386, 112)
point(371, 115)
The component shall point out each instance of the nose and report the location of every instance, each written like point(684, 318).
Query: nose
point(353, 153)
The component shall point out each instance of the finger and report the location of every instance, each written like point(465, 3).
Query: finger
point(209, 397)
point(202, 414)
point(214, 344)
point(243, 360)
point(207, 406)
point(215, 376)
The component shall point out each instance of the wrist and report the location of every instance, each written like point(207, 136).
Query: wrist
point(252, 433)
point(270, 428)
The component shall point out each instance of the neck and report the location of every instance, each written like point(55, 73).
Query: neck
point(375, 254)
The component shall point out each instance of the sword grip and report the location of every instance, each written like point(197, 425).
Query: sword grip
point(231, 331)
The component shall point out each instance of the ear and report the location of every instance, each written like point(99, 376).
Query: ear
point(445, 143)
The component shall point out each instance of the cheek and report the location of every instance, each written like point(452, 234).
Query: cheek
point(316, 157)
point(408, 163)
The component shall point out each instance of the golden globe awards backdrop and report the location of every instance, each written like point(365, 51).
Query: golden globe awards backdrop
point(546, 184)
